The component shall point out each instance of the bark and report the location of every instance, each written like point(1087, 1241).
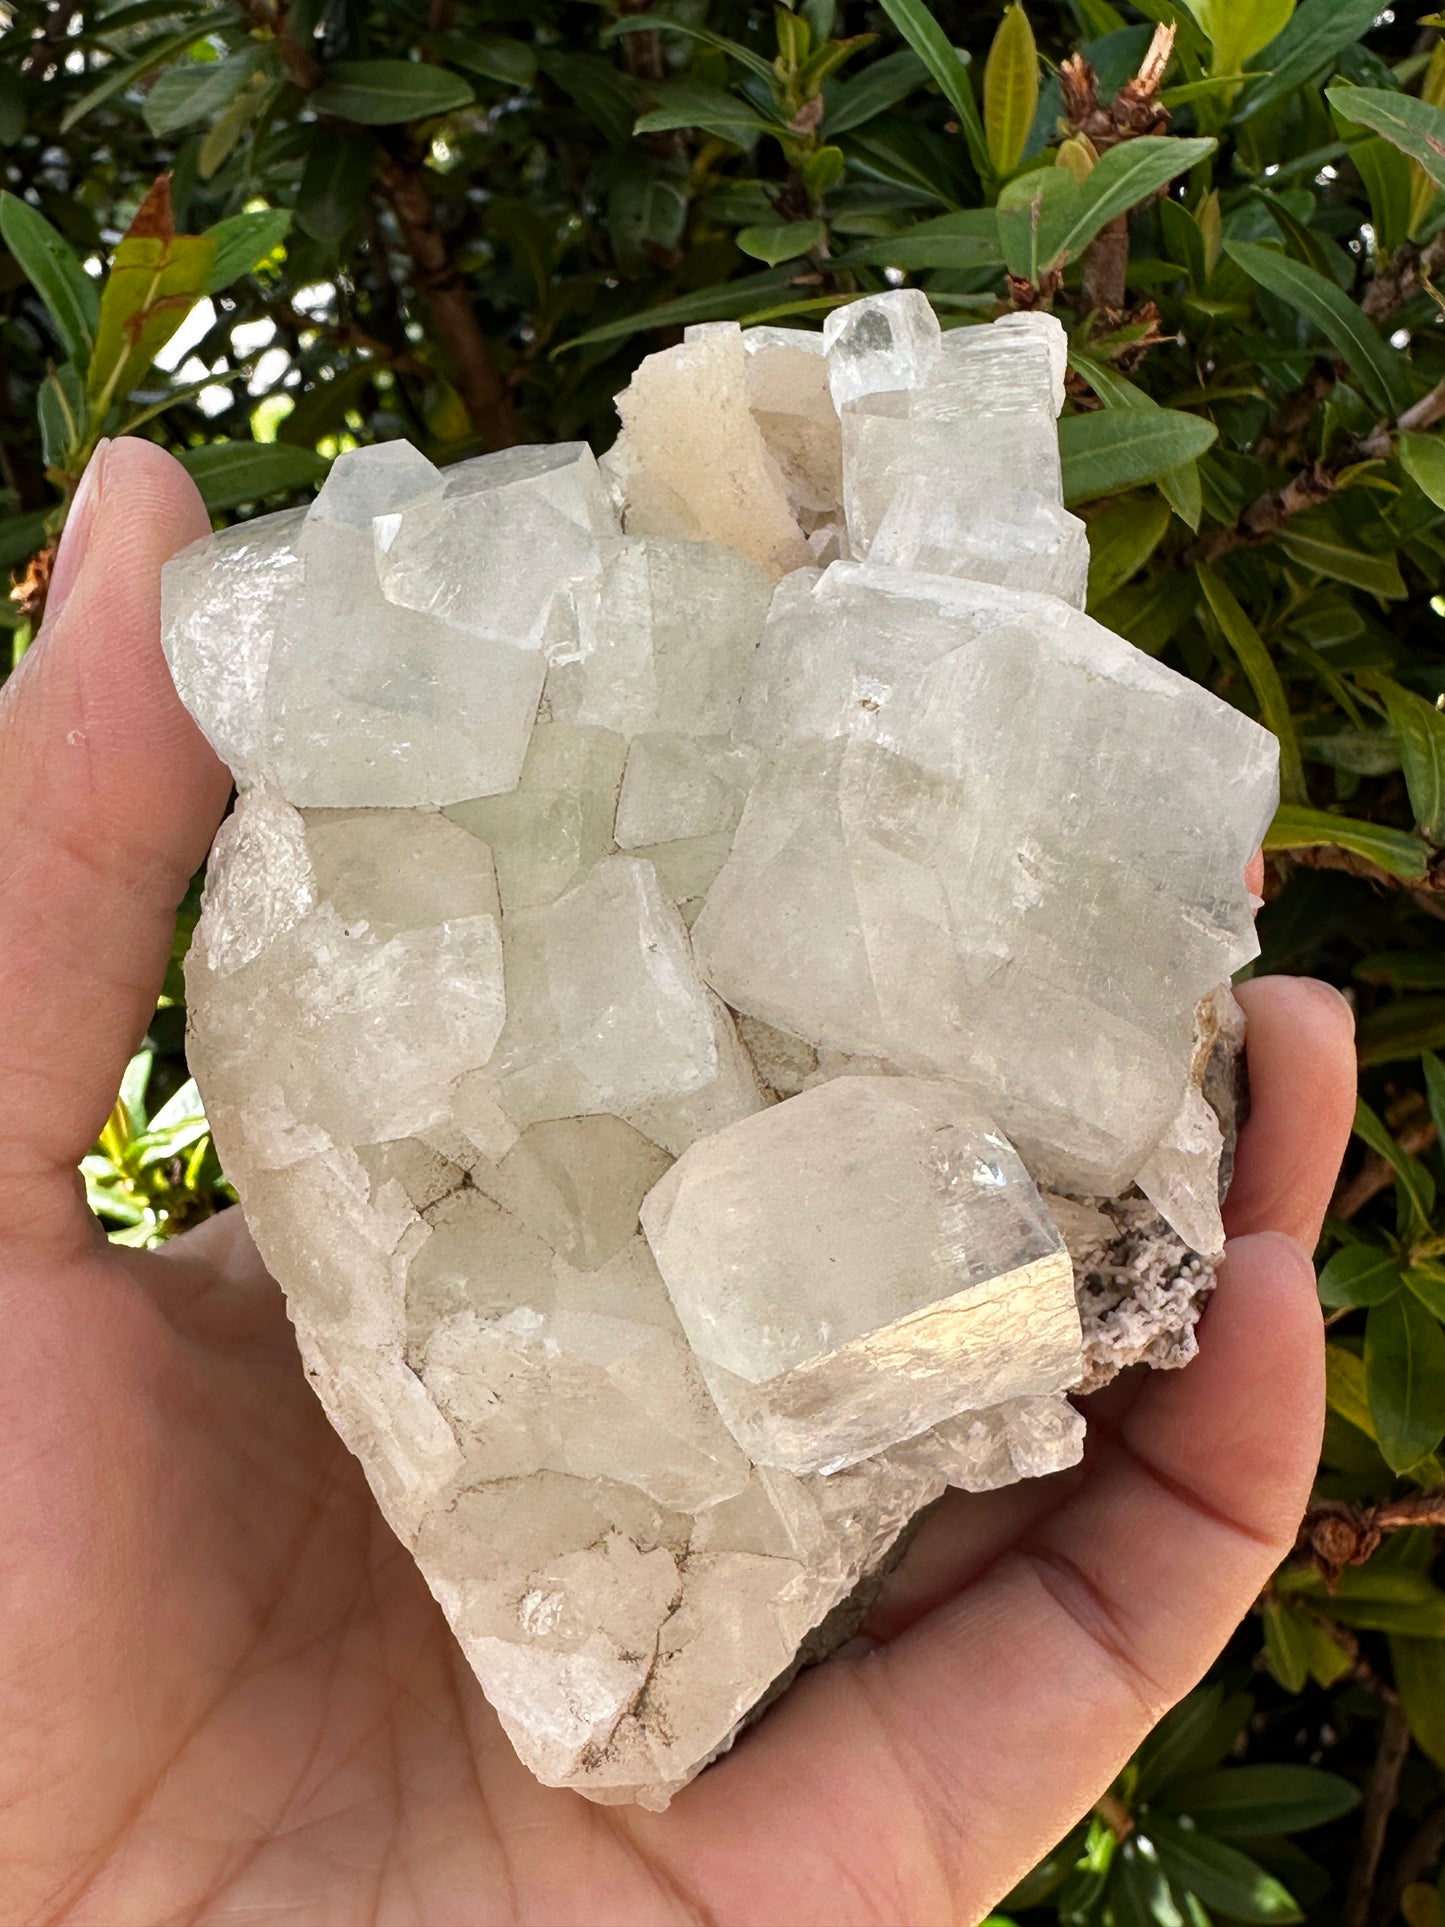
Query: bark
point(485, 395)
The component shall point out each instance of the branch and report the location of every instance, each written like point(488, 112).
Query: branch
point(485, 395)
point(1410, 269)
point(1383, 1792)
point(1335, 1535)
point(1416, 1858)
point(1376, 1174)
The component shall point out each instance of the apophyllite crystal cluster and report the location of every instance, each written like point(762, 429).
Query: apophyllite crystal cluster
point(713, 996)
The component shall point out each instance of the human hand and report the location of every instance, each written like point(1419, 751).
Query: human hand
point(225, 1692)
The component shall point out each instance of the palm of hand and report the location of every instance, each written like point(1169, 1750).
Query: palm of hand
point(224, 1688)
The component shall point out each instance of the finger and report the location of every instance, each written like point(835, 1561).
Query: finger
point(975, 1740)
point(1302, 1102)
point(109, 797)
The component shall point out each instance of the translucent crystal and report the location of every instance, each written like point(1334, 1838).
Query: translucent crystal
point(950, 899)
point(881, 344)
point(958, 472)
point(857, 1264)
point(650, 966)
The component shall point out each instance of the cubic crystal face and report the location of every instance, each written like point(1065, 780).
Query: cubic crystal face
point(677, 914)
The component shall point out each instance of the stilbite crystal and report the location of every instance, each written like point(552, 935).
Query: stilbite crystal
point(659, 1275)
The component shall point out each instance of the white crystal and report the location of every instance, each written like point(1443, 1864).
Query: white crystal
point(870, 1235)
point(950, 852)
point(881, 344)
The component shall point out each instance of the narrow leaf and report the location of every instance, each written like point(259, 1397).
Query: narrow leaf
point(1419, 1669)
point(1423, 459)
point(1395, 851)
point(1381, 370)
point(948, 68)
point(1010, 89)
point(1114, 449)
point(242, 242)
point(230, 474)
point(1359, 1274)
point(1306, 48)
point(1258, 665)
point(69, 294)
point(381, 93)
point(1121, 540)
point(1221, 1875)
point(653, 23)
point(1419, 729)
point(1405, 1373)
point(881, 85)
point(1255, 1802)
point(1412, 125)
point(156, 277)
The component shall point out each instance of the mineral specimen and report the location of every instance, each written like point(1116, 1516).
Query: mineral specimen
point(677, 915)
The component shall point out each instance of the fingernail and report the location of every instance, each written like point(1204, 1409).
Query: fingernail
point(78, 525)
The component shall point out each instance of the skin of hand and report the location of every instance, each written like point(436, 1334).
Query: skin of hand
point(225, 1693)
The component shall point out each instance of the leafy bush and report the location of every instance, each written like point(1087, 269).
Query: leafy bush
point(466, 223)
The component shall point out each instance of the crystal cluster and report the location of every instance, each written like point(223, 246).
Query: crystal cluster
point(711, 981)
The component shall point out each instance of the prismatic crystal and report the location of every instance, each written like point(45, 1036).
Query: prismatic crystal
point(714, 995)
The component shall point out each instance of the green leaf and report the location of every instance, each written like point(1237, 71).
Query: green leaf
point(947, 68)
point(334, 184)
point(1298, 1648)
point(21, 536)
point(1412, 125)
point(1435, 1087)
point(1010, 89)
point(653, 23)
point(1319, 547)
point(197, 90)
point(1306, 48)
point(1171, 1747)
point(1423, 459)
point(1236, 29)
point(242, 242)
point(156, 277)
point(1255, 1802)
point(880, 86)
point(1414, 1181)
point(1122, 538)
point(1419, 1669)
point(230, 474)
point(1419, 728)
point(1139, 1893)
point(1400, 1030)
point(60, 406)
point(1389, 183)
point(1359, 1274)
point(493, 56)
point(1345, 1390)
point(1258, 665)
point(1427, 1282)
point(702, 304)
point(121, 74)
point(607, 97)
point(1380, 370)
point(381, 93)
point(70, 296)
point(1394, 851)
point(784, 242)
point(1063, 215)
point(1221, 1875)
point(711, 109)
point(1114, 449)
point(1405, 1373)
point(968, 239)
point(1375, 1598)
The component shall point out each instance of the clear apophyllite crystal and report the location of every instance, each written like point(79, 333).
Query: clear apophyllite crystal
point(853, 1266)
point(649, 970)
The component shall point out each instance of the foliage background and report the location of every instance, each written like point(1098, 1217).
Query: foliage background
point(465, 223)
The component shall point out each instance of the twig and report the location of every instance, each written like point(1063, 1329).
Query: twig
point(1384, 1790)
point(1376, 1174)
point(1416, 1859)
point(1410, 269)
point(1267, 513)
point(485, 395)
point(1335, 1535)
